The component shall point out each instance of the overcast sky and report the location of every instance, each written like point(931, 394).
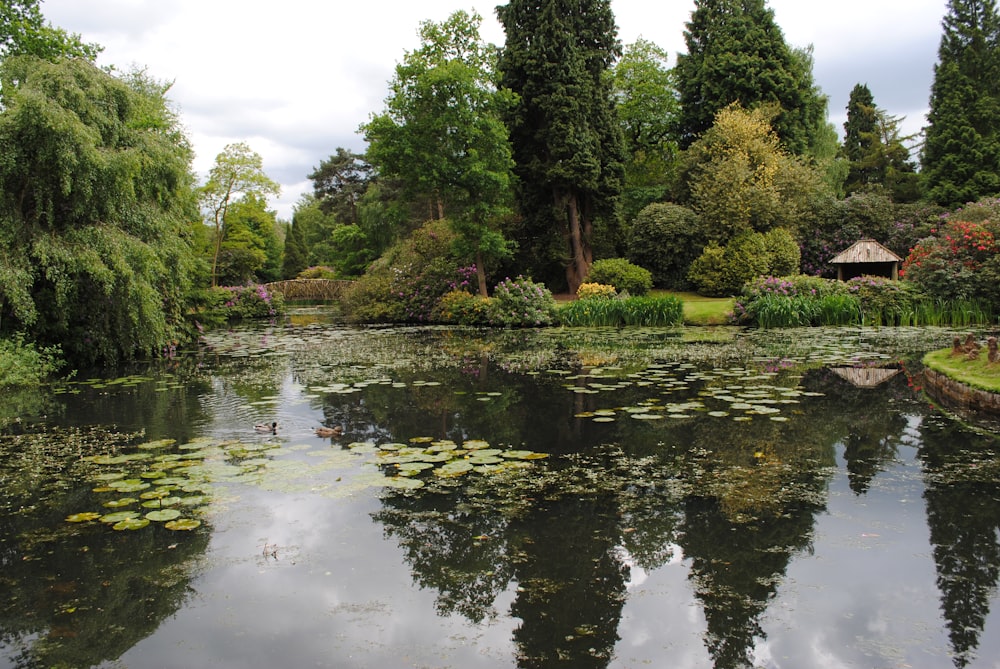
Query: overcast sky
point(296, 78)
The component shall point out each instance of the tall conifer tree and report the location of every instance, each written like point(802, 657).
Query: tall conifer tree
point(566, 139)
point(736, 53)
point(961, 157)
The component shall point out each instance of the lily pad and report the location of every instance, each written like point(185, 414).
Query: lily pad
point(456, 468)
point(182, 524)
point(130, 524)
point(82, 517)
point(118, 503)
point(119, 516)
point(163, 515)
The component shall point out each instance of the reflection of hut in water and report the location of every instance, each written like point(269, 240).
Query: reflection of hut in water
point(865, 377)
point(866, 257)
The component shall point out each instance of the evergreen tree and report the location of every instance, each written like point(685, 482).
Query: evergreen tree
point(737, 54)
point(296, 257)
point(566, 138)
point(961, 157)
point(875, 151)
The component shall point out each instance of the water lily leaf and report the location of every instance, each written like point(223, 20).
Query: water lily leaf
point(171, 481)
point(517, 454)
point(159, 443)
point(130, 524)
point(159, 503)
point(153, 474)
point(475, 444)
point(403, 483)
point(444, 445)
point(421, 440)
point(484, 460)
point(119, 516)
point(163, 515)
point(82, 517)
point(455, 468)
point(154, 494)
point(110, 476)
point(135, 486)
point(182, 524)
point(118, 503)
point(604, 419)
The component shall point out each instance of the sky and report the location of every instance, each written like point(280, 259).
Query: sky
point(295, 79)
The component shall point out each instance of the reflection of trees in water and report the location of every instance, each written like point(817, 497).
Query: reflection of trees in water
point(963, 513)
point(79, 596)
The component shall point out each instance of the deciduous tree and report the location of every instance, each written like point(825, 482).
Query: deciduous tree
point(567, 140)
point(961, 152)
point(442, 134)
point(238, 171)
point(24, 31)
point(95, 192)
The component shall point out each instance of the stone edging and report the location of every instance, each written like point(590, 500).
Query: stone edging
point(952, 393)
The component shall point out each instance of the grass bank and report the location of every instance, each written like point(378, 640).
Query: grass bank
point(979, 373)
point(700, 310)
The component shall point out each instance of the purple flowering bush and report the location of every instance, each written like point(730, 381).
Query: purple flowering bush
point(521, 302)
point(250, 301)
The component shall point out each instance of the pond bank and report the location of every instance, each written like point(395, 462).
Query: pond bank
point(954, 393)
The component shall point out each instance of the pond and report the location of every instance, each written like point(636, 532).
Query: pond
point(527, 498)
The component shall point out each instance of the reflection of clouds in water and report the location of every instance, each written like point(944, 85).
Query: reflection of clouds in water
point(638, 575)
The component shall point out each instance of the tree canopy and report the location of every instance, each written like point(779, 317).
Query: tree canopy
point(566, 137)
point(443, 136)
point(95, 191)
point(24, 31)
point(961, 153)
point(736, 53)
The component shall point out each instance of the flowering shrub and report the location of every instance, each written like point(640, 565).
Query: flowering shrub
point(249, 301)
point(595, 291)
point(521, 302)
point(957, 261)
point(771, 301)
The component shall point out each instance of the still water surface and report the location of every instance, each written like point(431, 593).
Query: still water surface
point(708, 498)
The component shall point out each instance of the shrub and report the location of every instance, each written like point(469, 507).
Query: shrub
point(461, 307)
point(595, 291)
point(948, 264)
point(722, 271)
point(24, 364)
point(621, 274)
point(666, 238)
point(250, 301)
point(317, 272)
point(521, 302)
point(783, 253)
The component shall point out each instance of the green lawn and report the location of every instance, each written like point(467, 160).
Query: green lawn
point(699, 310)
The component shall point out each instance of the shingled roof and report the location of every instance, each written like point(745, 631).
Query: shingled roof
point(865, 251)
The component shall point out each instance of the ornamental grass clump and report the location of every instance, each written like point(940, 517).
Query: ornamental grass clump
point(623, 311)
point(521, 302)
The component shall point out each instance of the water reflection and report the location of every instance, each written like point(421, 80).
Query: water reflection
point(747, 473)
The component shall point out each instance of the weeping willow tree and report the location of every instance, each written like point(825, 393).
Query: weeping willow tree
point(95, 192)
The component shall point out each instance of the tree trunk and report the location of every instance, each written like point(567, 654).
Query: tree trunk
point(579, 245)
point(481, 274)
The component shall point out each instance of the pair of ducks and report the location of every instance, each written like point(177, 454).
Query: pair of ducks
point(321, 431)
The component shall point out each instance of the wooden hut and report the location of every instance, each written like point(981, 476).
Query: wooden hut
point(866, 257)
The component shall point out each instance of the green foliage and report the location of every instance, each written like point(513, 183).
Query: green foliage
point(665, 239)
point(629, 311)
point(741, 180)
point(95, 187)
point(645, 88)
point(596, 291)
point(340, 182)
point(460, 307)
point(442, 136)
point(721, 271)
point(296, 256)
point(961, 150)
point(317, 272)
point(957, 261)
point(521, 302)
point(737, 54)
point(623, 275)
point(24, 364)
point(566, 138)
point(783, 252)
point(238, 172)
point(24, 31)
point(405, 284)
point(794, 301)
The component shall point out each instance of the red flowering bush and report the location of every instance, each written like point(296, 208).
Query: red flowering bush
point(959, 260)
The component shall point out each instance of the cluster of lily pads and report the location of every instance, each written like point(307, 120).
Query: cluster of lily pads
point(143, 488)
point(738, 393)
point(442, 458)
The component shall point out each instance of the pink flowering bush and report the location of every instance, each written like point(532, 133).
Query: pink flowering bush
point(229, 303)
